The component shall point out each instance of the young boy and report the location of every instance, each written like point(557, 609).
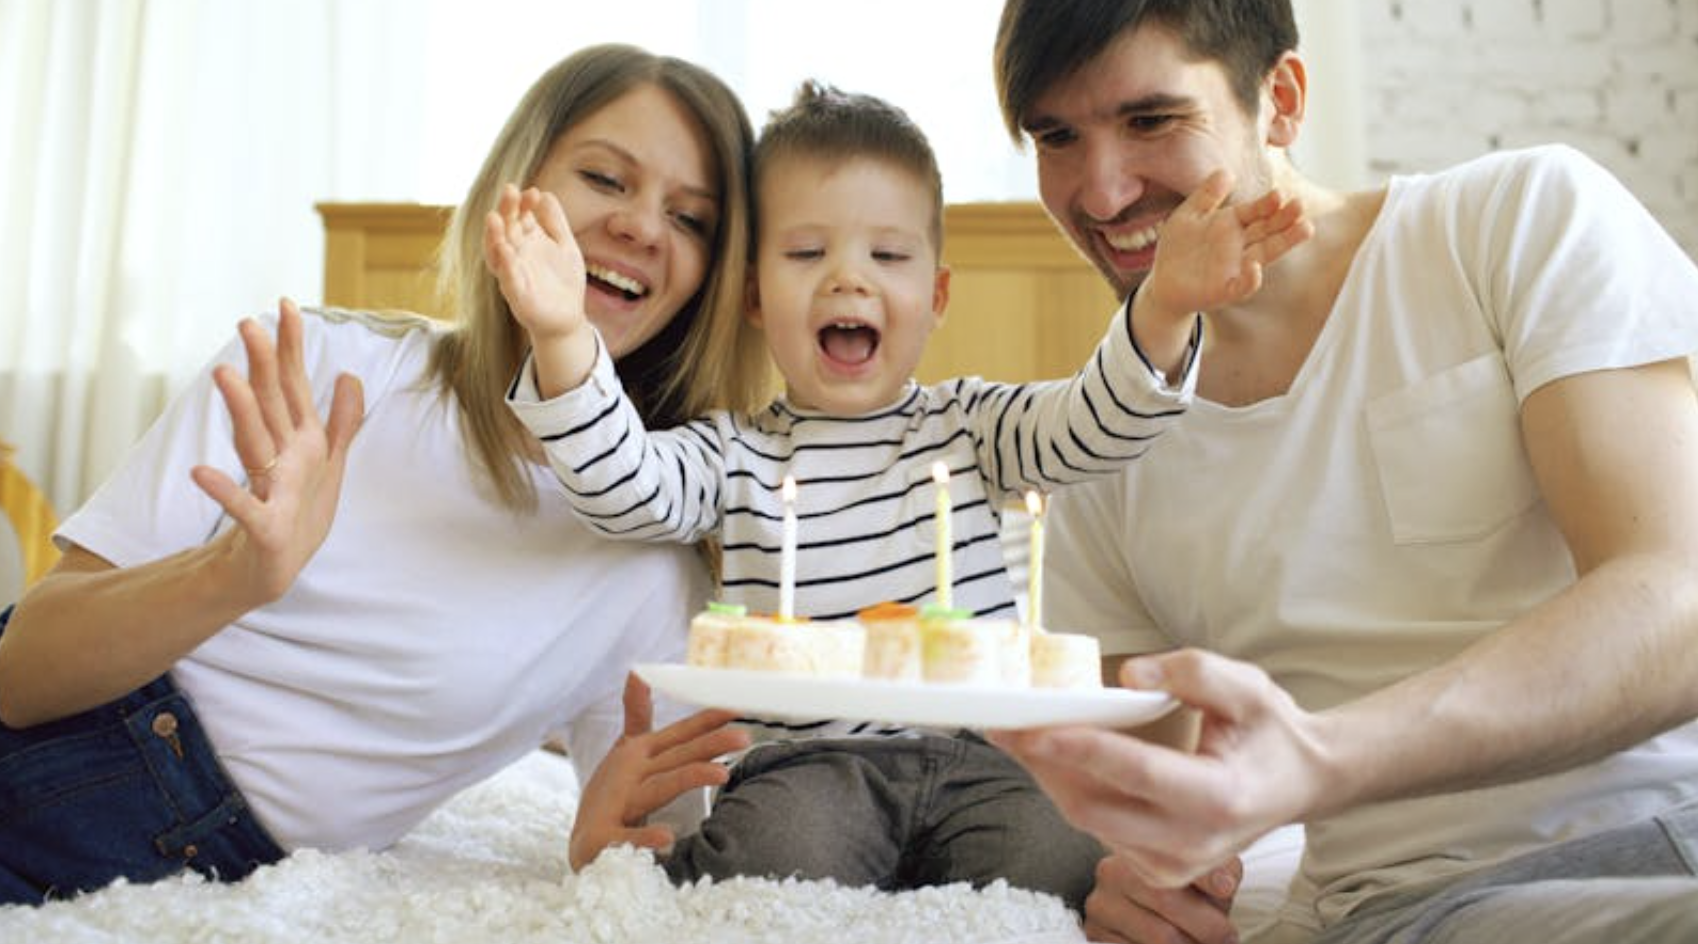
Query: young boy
point(848, 287)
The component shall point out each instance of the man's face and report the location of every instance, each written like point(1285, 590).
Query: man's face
point(1122, 141)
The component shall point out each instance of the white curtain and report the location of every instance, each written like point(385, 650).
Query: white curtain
point(161, 161)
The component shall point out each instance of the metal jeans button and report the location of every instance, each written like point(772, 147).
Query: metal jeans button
point(165, 726)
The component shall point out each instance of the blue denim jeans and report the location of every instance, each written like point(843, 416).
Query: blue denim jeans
point(131, 789)
point(893, 813)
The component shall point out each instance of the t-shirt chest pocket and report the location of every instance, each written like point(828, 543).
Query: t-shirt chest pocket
point(1449, 454)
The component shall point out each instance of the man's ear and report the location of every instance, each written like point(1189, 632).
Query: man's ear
point(752, 299)
point(1286, 89)
point(940, 295)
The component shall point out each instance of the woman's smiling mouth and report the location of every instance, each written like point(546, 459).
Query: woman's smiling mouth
point(623, 285)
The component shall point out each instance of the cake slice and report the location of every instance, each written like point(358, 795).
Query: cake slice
point(893, 642)
point(796, 647)
point(958, 649)
point(1066, 660)
point(709, 631)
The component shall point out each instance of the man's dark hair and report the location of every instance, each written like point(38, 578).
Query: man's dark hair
point(1041, 42)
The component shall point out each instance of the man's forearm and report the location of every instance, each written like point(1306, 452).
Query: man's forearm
point(1600, 667)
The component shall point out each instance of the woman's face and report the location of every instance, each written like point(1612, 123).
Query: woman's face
point(638, 181)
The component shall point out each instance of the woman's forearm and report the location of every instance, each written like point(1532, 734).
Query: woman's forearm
point(89, 632)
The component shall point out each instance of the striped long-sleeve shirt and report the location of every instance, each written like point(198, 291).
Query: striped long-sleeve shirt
point(866, 501)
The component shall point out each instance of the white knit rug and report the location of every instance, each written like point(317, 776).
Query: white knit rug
point(491, 866)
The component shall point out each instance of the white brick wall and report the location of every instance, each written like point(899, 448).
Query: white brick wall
point(1447, 80)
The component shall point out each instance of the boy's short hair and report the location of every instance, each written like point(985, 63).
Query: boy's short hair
point(824, 123)
point(1041, 42)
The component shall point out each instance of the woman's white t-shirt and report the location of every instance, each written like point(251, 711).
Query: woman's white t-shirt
point(435, 636)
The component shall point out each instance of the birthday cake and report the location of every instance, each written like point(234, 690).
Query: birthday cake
point(896, 641)
point(899, 643)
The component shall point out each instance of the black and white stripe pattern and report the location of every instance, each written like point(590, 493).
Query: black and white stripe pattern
point(866, 502)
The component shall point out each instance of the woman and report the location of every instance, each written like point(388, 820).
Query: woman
point(318, 657)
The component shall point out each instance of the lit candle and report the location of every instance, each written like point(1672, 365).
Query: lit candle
point(945, 542)
point(1035, 566)
point(787, 555)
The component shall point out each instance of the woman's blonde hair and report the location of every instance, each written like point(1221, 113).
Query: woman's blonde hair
point(705, 357)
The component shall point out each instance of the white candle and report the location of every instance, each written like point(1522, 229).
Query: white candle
point(787, 554)
point(1035, 566)
point(945, 541)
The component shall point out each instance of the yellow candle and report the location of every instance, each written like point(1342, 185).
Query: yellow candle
point(1035, 566)
point(787, 554)
point(945, 542)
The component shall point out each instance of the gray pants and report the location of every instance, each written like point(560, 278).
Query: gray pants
point(1632, 885)
point(894, 813)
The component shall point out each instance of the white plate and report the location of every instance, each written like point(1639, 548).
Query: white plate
point(801, 698)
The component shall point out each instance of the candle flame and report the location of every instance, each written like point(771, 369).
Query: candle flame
point(1034, 503)
point(940, 473)
point(789, 489)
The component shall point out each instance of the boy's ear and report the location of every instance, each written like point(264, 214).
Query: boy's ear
point(940, 295)
point(752, 299)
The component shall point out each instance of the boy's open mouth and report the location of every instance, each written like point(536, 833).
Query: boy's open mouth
point(848, 342)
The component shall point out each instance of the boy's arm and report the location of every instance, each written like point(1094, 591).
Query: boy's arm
point(528, 247)
point(1045, 435)
point(1209, 256)
point(623, 480)
point(619, 478)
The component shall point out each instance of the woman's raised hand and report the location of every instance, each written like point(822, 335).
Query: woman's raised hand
point(294, 460)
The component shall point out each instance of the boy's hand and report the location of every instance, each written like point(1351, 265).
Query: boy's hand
point(528, 247)
point(1211, 255)
point(1208, 256)
point(645, 771)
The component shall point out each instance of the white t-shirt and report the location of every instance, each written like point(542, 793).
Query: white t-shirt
point(1382, 514)
point(434, 637)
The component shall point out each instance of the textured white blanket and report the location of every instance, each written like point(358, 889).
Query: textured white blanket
point(491, 866)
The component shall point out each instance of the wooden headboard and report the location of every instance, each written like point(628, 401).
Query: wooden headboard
point(1023, 304)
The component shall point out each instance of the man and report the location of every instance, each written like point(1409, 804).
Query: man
point(1420, 555)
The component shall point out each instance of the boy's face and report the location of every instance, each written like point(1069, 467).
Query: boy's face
point(1122, 141)
point(847, 284)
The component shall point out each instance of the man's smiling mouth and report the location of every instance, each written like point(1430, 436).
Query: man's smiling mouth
point(1135, 240)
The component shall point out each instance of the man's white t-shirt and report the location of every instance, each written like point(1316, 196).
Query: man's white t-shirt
point(435, 636)
point(1382, 514)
